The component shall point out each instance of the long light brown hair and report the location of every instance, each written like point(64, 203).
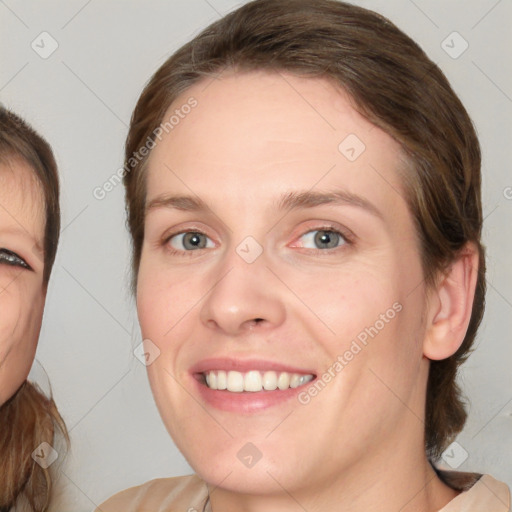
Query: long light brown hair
point(29, 417)
point(394, 85)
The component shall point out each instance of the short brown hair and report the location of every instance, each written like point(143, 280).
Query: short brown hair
point(29, 418)
point(394, 85)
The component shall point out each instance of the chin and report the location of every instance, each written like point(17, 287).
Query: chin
point(238, 465)
point(262, 478)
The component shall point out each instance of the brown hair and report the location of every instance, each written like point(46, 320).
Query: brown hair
point(394, 85)
point(29, 418)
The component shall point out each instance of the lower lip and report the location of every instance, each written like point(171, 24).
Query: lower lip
point(246, 401)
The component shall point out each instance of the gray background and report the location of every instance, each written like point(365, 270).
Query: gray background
point(81, 97)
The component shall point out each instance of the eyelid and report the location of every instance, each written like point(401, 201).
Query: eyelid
point(166, 239)
point(172, 233)
point(196, 232)
point(12, 255)
point(348, 235)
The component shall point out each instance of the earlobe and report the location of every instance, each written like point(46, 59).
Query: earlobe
point(453, 303)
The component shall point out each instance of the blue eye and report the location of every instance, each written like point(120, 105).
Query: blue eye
point(323, 239)
point(190, 241)
point(11, 258)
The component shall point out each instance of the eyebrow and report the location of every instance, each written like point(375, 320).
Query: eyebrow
point(288, 201)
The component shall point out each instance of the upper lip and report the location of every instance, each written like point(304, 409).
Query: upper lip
point(245, 365)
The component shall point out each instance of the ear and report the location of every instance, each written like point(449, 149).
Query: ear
point(450, 306)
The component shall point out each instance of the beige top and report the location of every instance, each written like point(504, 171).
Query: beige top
point(480, 493)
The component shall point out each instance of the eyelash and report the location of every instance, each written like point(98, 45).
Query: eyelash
point(8, 257)
point(345, 239)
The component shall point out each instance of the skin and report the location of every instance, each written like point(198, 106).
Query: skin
point(358, 444)
point(22, 293)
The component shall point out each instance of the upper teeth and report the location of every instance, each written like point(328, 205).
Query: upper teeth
point(254, 380)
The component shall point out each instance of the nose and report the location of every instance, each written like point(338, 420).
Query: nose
point(247, 296)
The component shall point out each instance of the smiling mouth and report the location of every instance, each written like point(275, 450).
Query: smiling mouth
point(253, 381)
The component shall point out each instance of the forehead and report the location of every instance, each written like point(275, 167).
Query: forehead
point(21, 200)
point(272, 131)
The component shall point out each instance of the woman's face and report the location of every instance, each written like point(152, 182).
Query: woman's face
point(278, 249)
point(21, 273)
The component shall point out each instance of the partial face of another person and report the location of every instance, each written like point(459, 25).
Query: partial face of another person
point(252, 277)
point(22, 220)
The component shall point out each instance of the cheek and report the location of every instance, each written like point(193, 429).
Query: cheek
point(13, 321)
point(20, 323)
point(165, 296)
point(367, 312)
point(339, 304)
point(379, 333)
point(155, 297)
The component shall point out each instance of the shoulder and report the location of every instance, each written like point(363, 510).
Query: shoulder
point(182, 493)
point(479, 492)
